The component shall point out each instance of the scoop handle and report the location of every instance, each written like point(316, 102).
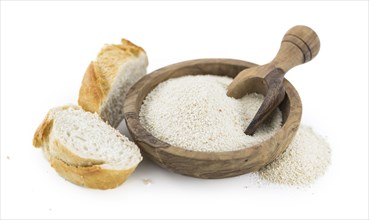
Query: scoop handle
point(299, 45)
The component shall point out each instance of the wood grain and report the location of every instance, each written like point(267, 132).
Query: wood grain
point(299, 45)
point(209, 164)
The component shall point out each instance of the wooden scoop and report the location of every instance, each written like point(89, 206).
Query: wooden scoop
point(299, 45)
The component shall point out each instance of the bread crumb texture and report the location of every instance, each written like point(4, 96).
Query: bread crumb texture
point(147, 181)
point(306, 159)
point(194, 113)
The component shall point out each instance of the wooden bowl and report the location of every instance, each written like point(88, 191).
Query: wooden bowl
point(209, 165)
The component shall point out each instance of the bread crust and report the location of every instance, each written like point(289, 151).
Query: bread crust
point(91, 93)
point(97, 81)
point(81, 171)
point(91, 176)
point(43, 131)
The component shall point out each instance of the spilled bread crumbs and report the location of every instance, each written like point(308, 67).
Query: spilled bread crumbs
point(147, 182)
point(305, 160)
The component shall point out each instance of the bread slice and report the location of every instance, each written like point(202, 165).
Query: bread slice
point(108, 79)
point(84, 149)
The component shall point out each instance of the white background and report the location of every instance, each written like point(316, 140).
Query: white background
point(46, 47)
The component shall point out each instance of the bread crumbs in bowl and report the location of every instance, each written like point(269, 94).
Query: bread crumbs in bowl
point(181, 119)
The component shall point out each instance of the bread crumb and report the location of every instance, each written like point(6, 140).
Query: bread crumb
point(147, 182)
point(195, 113)
point(306, 159)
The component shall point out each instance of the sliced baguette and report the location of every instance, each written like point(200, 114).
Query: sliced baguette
point(108, 79)
point(84, 149)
